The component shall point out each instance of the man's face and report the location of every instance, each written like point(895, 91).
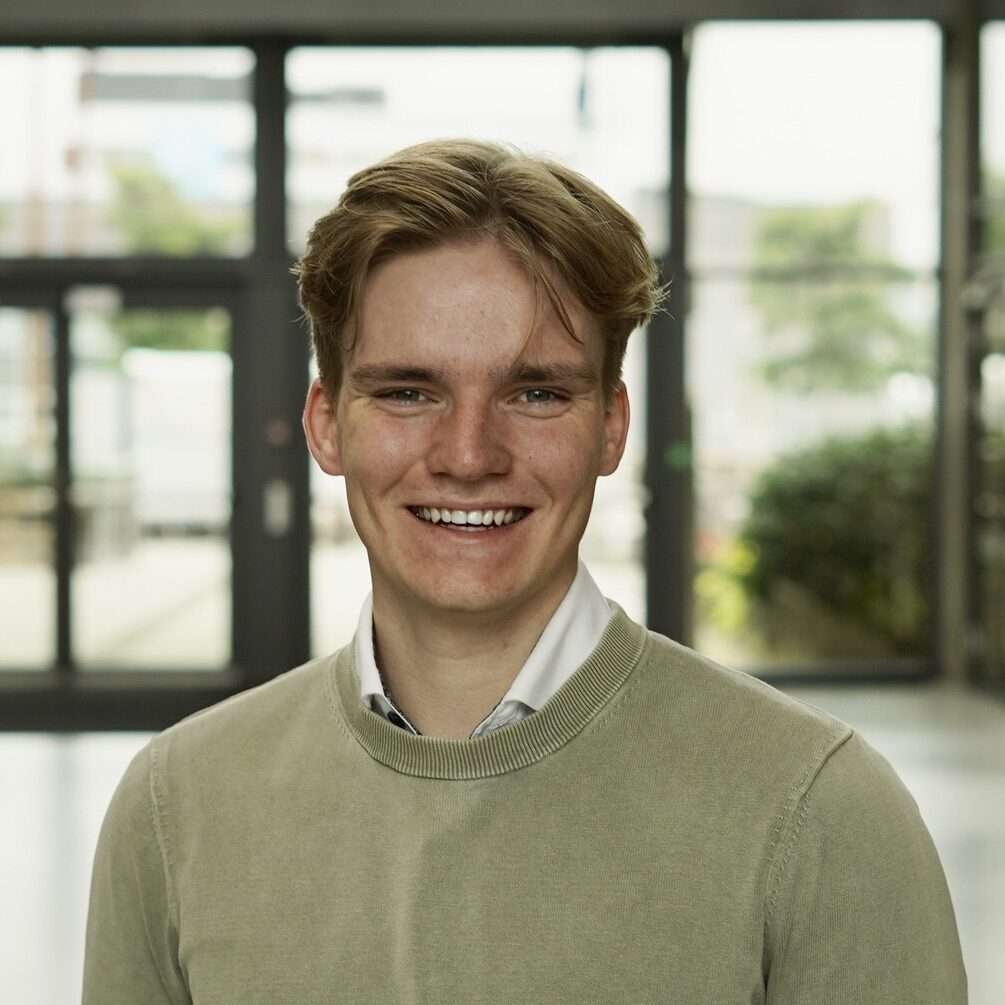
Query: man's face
point(446, 405)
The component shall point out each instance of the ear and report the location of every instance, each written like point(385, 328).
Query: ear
point(617, 416)
point(319, 421)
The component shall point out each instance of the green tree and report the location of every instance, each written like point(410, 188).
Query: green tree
point(834, 332)
point(175, 330)
point(154, 219)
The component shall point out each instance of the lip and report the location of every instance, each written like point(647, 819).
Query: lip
point(468, 507)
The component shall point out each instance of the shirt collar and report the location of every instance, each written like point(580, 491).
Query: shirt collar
point(570, 636)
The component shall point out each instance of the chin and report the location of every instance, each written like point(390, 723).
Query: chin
point(471, 594)
point(469, 600)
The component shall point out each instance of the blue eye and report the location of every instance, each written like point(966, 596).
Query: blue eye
point(533, 393)
point(405, 395)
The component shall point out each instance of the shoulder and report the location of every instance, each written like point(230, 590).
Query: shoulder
point(857, 798)
point(247, 730)
point(740, 748)
point(727, 704)
point(857, 905)
point(844, 837)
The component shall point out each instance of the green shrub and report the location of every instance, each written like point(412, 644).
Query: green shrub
point(841, 530)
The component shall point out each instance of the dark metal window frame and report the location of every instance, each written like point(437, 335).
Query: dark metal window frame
point(271, 587)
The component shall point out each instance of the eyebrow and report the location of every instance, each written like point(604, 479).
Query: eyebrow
point(546, 373)
point(370, 374)
point(379, 373)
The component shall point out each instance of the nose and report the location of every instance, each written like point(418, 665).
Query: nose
point(469, 443)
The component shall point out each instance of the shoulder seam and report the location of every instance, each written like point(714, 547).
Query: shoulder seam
point(785, 832)
point(156, 826)
point(158, 803)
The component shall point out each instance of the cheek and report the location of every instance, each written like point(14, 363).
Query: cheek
point(579, 439)
point(377, 452)
point(563, 467)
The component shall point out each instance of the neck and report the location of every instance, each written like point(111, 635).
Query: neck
point(446, 670)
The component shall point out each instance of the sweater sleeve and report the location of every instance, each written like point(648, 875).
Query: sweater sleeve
point(858, 909)
point(131, 940)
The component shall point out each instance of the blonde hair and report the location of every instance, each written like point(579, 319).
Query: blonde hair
point(548, 216)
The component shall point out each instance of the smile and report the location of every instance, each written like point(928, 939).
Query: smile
point(470, 520)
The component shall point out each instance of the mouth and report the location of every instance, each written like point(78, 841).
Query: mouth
point(480, 521)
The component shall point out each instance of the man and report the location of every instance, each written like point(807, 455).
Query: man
point(504, 789)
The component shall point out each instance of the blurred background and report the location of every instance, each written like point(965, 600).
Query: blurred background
point(814, 485)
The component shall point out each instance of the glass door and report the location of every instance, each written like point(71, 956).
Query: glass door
point(151, 459)
point(148, 493)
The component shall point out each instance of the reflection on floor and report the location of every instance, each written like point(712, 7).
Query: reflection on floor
point(947, 744)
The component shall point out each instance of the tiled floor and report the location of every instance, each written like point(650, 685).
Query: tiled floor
point(947, 744)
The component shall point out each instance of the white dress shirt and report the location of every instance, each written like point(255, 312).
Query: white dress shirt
point(568, 639)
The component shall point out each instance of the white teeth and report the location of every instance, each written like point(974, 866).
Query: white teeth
point(468, 518)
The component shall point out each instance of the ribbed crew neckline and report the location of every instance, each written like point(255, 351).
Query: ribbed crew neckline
point(567, 712)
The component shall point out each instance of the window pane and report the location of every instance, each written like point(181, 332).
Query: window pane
point(603, 112)
point(125, 151)
point(812, 384)
point(815, 115)
point(150, 397)
point(813, 428)
point(993, 134)
point(27, 496)
point(990, 505)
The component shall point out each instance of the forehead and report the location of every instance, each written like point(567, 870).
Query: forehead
point(467, 307)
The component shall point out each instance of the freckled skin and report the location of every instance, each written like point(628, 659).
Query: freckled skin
point(464, 311)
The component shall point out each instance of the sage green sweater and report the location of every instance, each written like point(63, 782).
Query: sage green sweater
point(661, 830)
